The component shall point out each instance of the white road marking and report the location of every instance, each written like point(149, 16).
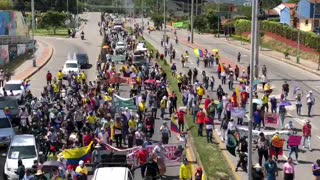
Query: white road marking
point(284, 156)
point(318, 137)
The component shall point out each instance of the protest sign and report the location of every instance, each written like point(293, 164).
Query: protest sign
point(271, 120)
point(243, 131)
point(172, 153)
point(294, 140)
point(238, 112)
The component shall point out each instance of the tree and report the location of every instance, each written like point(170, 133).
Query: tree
point(5, 5)
point(245, 11)
point(293, 1)
point(212, 20)
point(52, 19)
point(200, 23)
point(157, 20)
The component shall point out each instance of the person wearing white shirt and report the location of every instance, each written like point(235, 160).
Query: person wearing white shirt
point(310, 102)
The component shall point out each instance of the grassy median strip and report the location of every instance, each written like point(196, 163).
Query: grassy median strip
point(210, 154)
point(61, 32)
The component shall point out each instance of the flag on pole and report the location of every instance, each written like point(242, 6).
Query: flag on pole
point(231, 144)
point(198, 52)
point(174, 125)
point(73, 156)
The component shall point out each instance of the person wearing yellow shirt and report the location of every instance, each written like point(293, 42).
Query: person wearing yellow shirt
point(277, 144)
point(185, 170)
point(179, 79)
point(83, 77)
point(92, 119)
point(132, 124)
point(141, 108)
point(60, 75)
point(163, 104)
point(82, 170)
point(200, 92)
point(265, 105)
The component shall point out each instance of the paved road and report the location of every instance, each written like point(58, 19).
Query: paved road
point(277, 73)
point(91, 46)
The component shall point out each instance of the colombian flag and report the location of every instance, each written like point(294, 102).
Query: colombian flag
point(73, 156)
point(222, 67)
point(198, 52)
point(174, 126)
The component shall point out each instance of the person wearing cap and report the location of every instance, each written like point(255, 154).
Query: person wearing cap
point(82, 170)
point(95, 155)
point(199, 174)
point(185, 172)
point(306, 133)
point(163, 104)
point(288, 170)
point(257, 173)
point(310, 102)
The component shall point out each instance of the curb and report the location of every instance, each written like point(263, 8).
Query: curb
point(281, 60)
point(48, 58)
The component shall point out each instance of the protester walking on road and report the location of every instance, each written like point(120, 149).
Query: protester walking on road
point(263, 148)
point(200, 121)
point(310, 102)
point(288, 170)
point(271, 169)
point(159, 154)
point(2, 78)
point(306, 132)
point(185, 170)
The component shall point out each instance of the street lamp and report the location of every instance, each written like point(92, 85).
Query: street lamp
point(298, 39)
point(192, 4)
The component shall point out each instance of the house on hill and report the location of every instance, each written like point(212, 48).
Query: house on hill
point(309, 14)
point(286, 12)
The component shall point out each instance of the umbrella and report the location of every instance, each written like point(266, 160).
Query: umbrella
point(285, 103)
point(257, 101)
point(106, 47)
point(215, 50)
point(53, 163)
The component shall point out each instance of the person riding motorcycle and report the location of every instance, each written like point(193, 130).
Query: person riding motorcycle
point(82, 35)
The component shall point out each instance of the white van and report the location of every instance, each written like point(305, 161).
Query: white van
point(114, 173)
point(22, 147)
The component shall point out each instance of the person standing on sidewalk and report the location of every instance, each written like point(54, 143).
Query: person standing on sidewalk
point(310, 102)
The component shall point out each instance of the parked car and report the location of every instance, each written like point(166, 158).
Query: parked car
point(21, 147)
point(83, 60)
point(6, 130)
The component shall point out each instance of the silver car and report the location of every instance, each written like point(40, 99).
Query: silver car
point(6, 130)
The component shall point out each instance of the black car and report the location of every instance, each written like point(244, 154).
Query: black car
point(83, 60)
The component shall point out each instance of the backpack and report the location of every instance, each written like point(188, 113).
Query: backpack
point(219, 106)
point(165, 132)
point(211, 108)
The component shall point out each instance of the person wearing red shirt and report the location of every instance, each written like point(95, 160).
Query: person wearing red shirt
point(180, 115)
point(87, 138)
point(200, 121)
point(244, 98)
point(306, 132)
point(206, 103)
point(142, 158)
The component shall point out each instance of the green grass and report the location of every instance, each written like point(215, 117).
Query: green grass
point(12, 65)
point(210, 154)
point(61, 32)
point(130, 30)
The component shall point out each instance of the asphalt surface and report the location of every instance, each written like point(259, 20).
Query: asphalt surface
point(277, 73)
point(91, 45)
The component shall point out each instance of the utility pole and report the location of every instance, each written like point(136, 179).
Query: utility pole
point(257, 40)
point(76, 16)
point(253, 51)
point(33, 26)
point(196, 7)
point(68, 6)
point(142, 13)
point(164, 26)
point(192, 7)
point(298, 39)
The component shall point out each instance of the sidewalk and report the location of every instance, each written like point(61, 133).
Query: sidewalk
point(43, 54)
point(306, 65)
